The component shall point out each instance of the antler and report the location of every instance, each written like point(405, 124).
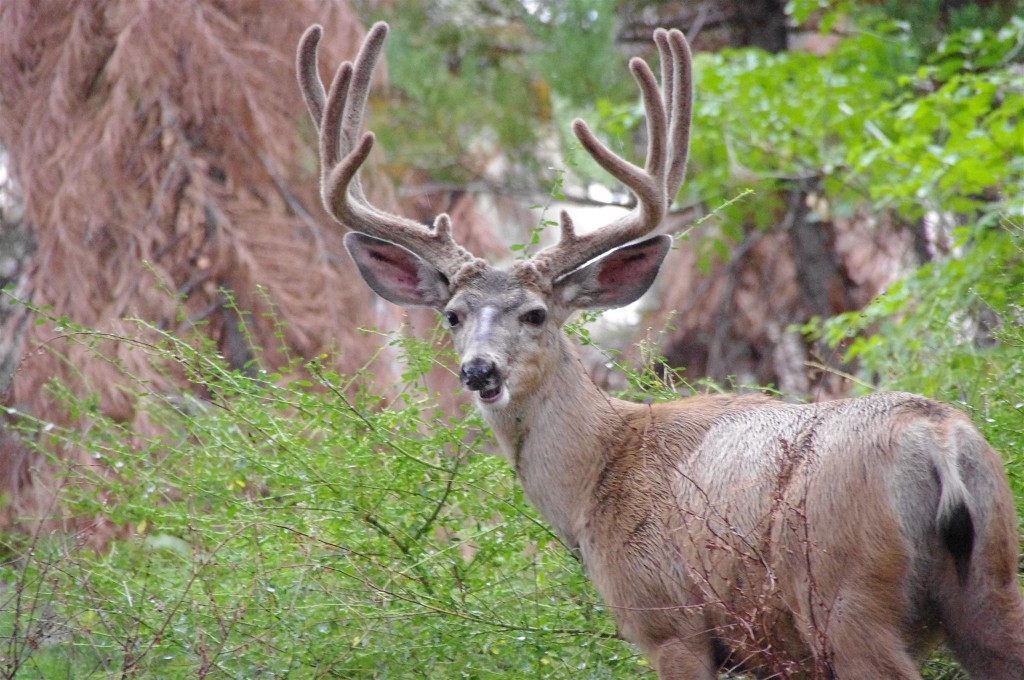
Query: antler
point(338, 117)
point(669, 113)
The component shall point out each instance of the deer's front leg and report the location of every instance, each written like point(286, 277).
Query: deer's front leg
point(677, 659)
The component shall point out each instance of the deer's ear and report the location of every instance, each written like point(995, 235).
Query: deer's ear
point(396, 274)
point(616, 279)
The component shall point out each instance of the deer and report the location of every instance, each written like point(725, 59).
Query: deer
point(727, 533)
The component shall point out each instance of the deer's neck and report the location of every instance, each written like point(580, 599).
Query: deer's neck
point(559, 440)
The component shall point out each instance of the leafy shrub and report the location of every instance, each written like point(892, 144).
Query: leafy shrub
point(282, 528)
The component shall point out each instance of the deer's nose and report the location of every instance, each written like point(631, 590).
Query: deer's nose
point(478, 373)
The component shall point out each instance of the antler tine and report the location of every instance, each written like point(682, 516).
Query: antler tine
point(308, 69)
point(338, 117)
point(669, 113)
point(680, 100)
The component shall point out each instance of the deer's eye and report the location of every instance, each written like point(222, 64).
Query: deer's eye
point(534, 317)
point(452, 318)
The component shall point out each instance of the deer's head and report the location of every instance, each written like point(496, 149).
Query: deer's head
point(506, 323)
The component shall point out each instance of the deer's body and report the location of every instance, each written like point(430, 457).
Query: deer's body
point(832, 540)
point(745, 532)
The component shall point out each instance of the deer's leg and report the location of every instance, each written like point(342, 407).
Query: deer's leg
point(862, 646)
point(984, 616)
point(985, 630)
point(858, 637)
point(676, 659)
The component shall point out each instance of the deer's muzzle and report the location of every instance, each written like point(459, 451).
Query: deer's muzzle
point(481, 375)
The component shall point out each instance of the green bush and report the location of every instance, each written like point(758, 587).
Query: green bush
point(281, 528)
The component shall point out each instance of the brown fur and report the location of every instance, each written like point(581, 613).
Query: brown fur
point(767, 533)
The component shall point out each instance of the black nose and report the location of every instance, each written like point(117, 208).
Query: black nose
point(478, 373)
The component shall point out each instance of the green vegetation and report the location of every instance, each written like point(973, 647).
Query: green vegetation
point(288, 524)
point(280, 528)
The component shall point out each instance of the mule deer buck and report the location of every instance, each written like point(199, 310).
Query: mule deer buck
point(726, 533)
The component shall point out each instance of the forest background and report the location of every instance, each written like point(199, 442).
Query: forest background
point(220, 455)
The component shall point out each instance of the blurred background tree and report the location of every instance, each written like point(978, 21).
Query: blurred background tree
point(867, 134)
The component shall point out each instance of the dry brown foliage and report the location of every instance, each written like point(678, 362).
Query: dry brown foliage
point(167, 164)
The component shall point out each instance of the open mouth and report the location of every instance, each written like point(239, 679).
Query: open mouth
point(490, 394)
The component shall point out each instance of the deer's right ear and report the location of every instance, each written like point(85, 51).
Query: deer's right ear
point(396, 274)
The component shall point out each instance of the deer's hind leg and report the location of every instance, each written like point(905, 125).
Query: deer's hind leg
point(985, 627)
point(983, 609)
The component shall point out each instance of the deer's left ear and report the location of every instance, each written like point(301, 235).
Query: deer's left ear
point(616, 279)
point(396, 274)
